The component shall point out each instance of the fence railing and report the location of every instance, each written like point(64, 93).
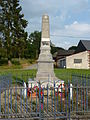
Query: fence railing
point(69, 101)
point(81, 80)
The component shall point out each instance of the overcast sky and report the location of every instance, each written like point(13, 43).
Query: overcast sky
point(68, 19)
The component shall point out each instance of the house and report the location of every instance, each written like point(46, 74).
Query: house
point(81, 58)
point(61, 57)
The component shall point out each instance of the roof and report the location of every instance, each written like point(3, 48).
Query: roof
point(83, 45)
point(86, 44)
point(63, 53)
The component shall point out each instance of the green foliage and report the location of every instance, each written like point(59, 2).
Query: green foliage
point(12, 27)
point(2, 52)
point(15, 62)
point(55, 49)
point(66, 74)
point(31, 61)
point(73, 48)
point(3, 61)
point(62, 74)
point(33, 45)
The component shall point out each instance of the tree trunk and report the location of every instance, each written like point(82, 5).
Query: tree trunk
point(9, 63)
point(19, 57)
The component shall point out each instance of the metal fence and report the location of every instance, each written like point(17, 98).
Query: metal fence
point(37, 102)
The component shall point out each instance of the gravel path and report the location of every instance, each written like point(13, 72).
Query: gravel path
point(34, 66)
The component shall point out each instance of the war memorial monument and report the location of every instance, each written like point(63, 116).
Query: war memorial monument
point(45, 63)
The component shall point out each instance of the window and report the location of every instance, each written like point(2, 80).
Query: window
point(77, 60)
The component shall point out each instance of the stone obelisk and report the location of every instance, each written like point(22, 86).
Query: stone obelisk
point(45, 61)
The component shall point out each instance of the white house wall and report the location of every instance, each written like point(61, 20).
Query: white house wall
point(83, 65)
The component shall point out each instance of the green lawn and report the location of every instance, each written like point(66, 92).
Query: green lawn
point(64, 74)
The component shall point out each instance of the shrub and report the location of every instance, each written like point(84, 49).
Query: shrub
point(15, 62)
point(3, 61)
point(31, 61)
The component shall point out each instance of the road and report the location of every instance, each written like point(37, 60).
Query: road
point(33, 66)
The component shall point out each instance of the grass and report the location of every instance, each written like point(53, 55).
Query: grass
point(66, 74)
point(19, 75)
point(63, 74)
point(16, 64)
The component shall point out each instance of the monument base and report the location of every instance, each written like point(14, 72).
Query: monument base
point(45, 71)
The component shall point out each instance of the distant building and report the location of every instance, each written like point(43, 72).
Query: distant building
point(81, 58)
point(76, 59)
point(61, 57)
point(83, 45)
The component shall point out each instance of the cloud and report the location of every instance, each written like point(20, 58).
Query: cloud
point(64, 18)
point(35, 8)
point(71, 34)
point(78, 28)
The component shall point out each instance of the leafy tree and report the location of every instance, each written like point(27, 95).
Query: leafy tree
point(33, 47)
point(0, 49)
point(19, 34)
point(0, 43)
point(55, 49)
point(73, 48)
point(1, 25)
point(12, 27)
point(6, 25)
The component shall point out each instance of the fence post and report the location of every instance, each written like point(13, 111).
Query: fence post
point(8, 96)
point(0, 99)
point(16, 95)
point(52, 99)
point(11, 99)
point(66, 99)
point(54, 103)
point(61, 98)
point(43, 98)
point(21, 99)
point(82, 93)
point(77, 97)
point(5, 99)
point(47, 98)
point(36, 99)
point(26, 101)
point(69, 100)
point(72, 96)
point(31, 97)
point(39, 101)
point(57, 99)
point(87, 93)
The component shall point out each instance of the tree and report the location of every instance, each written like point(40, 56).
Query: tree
point(73, 48)
point(1, 25)
point(34, 44)
point(19, 34)
point(13, 25)
point(6, 25)
point(55, 49)
point(0, 49)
